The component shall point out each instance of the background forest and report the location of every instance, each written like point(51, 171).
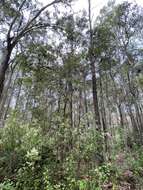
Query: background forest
point(71, 96)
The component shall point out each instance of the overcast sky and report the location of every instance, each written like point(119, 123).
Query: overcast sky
point(96, 4)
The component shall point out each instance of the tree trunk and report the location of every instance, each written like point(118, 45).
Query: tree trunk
point(3, 68)
point(93, 73)
point(100, 157)
point(9, 98)
point(103, 113)
point(85, 100)
point(121, 115)
point(5, 94)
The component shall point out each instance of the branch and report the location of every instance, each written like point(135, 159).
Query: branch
point(14, 20)
point(24, 31)
point(40, 11)
point(36, 27)
point(36, 16)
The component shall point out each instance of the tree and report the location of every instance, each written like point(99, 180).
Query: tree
point(18, 27)
point(92, 59)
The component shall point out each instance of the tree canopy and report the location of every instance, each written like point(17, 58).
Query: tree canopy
point(71, 99)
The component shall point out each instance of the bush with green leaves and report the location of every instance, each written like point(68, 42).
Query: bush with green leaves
point(60, 158)
point(135, 162)
point(35, 174)
point(15, 140)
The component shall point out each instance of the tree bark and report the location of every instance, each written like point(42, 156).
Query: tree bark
point(3, 68)
point(5, 95)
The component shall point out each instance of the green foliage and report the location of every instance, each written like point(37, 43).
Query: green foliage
point(16, 139)
point(31, 160)
point(7, 185)
point(136, 162)
point(64, 160)
point(49, 141)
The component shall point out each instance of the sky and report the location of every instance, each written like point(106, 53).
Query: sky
point(96, 4)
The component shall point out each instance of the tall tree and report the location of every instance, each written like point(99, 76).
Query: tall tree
point(18, 27)
point(93, 72)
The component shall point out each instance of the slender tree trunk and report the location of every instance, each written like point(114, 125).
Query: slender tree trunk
point(85, 99)
point(100, 157)
point(103, 113)
point(93, 72)
point(121, 115)
point(5, 95)
point(18, 94)
point(71, 103)
point(136, 129)
point(3, 68)
point(9, 99)
point(79, 107)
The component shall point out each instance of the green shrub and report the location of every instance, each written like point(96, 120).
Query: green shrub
point(7, 185)
point(16, 139)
